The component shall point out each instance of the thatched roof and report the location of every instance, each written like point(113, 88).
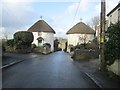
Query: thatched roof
point(81, 28)
point(41, 26)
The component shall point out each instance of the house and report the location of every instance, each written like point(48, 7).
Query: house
point(62, 44)
point(42, 33)
point(78, 34)
point(114, 15)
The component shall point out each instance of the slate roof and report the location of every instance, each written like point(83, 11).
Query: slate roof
point(81, 28)
point(41, 26)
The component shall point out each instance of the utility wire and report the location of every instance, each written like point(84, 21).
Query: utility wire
point(76, 12)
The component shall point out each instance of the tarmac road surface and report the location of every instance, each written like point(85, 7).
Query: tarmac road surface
point(56, 70)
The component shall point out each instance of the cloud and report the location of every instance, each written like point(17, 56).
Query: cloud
point(83, 6)
point(72, 8)
point(98, 8)
point(16, 14)
point(9, 31)
point(60, 32)
point(110, 4)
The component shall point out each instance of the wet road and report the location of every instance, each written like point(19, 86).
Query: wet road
point(56, 70)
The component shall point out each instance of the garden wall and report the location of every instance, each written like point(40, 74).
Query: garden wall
point(115, 68)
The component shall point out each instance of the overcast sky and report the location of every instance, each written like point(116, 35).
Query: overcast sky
point(19, 15)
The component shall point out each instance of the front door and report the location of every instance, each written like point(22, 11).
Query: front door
point(39, 43)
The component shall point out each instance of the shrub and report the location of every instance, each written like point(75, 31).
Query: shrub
point(59, 49)
point(3, 49)
point(95, 40)
point(10, 42)
point(4, 42)
point(85, 54)
point(23, 36)
point(34, 46)
point(23, 39)
point(92, 46)
point(72, 49)
point(4, 45)
point(46, 45)
point(81, 46)
point(112, 45)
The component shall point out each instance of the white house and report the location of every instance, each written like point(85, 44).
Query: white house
point(43, 33)
point(78, 34)
point(114, 15)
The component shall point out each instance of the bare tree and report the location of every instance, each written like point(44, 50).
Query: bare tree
point(88, 23)
point(95, 21)
point(5, 34)
point(83, 39)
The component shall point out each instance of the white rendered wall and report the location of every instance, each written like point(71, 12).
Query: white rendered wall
point(113, 17)
point(35, 34)
point(48, 38)
point(115, 67)
point(73, 39)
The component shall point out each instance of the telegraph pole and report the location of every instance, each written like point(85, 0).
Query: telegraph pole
point(102, 36)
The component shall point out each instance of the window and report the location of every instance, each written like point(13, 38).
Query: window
point(39, 33)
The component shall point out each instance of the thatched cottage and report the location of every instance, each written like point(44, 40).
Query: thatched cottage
point(43, 33)
point(78, 34)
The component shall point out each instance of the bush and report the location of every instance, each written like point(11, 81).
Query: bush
point(4, 42)
point(95, 40)
point(4, 45)
point(85, 54)
point(59, 49)
point(81, 46)
point(112, 46)
point(46, 45)
point(10, 42)
point(72, 49)
point(23, 39)
point(33, 46)
point(91, 45)
point(3, 49)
